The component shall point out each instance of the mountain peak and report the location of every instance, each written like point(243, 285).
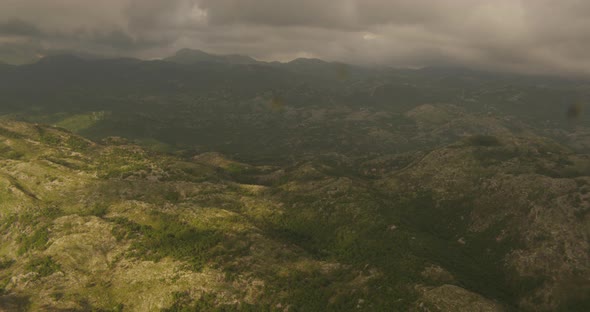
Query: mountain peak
point(60, 59)
point(193, 56)
point(307, 61)
point(191, 52)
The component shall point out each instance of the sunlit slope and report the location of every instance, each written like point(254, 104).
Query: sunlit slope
point(109, 226)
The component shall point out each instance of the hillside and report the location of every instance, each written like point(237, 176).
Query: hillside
point(109, 226)
point(98, 225)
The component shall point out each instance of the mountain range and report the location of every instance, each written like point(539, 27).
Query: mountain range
point(205, 182)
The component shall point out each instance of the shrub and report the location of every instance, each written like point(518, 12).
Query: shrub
point(37, 240)
point(97, 210)
point(43, 266)
point(77, 144)
point(169, 237)
point(484, 140)
point(6, 263)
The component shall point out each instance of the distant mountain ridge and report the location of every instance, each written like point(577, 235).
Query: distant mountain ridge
point(194, 56)
point(190, 56)
point(187, 56)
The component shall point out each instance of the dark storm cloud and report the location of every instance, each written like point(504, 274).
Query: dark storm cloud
point(516, 35)
point(17, 27)
point(17, 52)
point(119, 40)
point(326, 14)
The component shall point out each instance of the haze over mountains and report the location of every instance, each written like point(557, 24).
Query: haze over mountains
point(262, 96)
point(219, 182)
point(526, 36)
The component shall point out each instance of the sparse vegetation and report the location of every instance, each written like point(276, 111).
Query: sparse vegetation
point(37, 240)
point(169, 237)
point(43, 266)
point(97, 209)
point(6, 263)
point(484, 140)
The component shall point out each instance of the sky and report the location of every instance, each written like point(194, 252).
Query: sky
point(529, 36)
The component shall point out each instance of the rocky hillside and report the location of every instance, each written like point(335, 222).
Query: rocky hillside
point(494, 223)
point(111, 227)
point(517, 208)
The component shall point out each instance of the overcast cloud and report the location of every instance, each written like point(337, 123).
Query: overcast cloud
point(527, 36)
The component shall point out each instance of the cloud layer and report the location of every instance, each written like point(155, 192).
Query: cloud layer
point(538, 36)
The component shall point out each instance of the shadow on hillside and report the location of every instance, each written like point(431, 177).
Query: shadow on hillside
point(14, 303)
